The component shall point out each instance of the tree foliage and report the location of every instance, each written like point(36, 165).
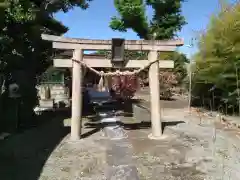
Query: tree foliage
point(217, 64)
point(23, 23)
point(166, 20)
point(22, 51)
point(180, 61)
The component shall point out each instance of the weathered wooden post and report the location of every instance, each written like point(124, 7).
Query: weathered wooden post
point(155, 96)
point(76, 121)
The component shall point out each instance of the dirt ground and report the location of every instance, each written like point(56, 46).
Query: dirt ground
point(189, 151)
point(176, 102)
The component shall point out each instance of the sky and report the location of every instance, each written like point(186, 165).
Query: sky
point(93, 23)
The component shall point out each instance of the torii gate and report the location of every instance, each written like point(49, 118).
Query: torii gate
point(79, 45)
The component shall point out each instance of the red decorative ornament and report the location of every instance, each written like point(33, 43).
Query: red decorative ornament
point(124, 87)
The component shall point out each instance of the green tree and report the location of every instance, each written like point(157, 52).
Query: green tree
point(166, 20)
point(218, 62)
point(24, 56)
point(180, 61)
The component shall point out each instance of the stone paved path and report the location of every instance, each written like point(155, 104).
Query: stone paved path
point(119, 155)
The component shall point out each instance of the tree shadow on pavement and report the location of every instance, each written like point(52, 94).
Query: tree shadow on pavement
point(23, 155)
point(131, 126)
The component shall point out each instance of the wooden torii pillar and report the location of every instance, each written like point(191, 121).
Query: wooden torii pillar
point(79, 45)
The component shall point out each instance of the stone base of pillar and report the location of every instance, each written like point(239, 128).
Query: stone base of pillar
point(162, 137)
point(75, 138)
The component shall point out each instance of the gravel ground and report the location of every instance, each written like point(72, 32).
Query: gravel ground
point(190, 151)
point(185, 154)
point(176, 102)
point(76, 160)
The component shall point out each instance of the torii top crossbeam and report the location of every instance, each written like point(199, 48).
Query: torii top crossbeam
point(60, 42)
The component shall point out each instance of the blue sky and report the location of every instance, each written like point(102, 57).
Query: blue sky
point(93, 23)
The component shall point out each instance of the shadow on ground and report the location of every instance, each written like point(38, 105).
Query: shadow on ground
point(23, 155)
point(126, 108)
point(131, 126)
